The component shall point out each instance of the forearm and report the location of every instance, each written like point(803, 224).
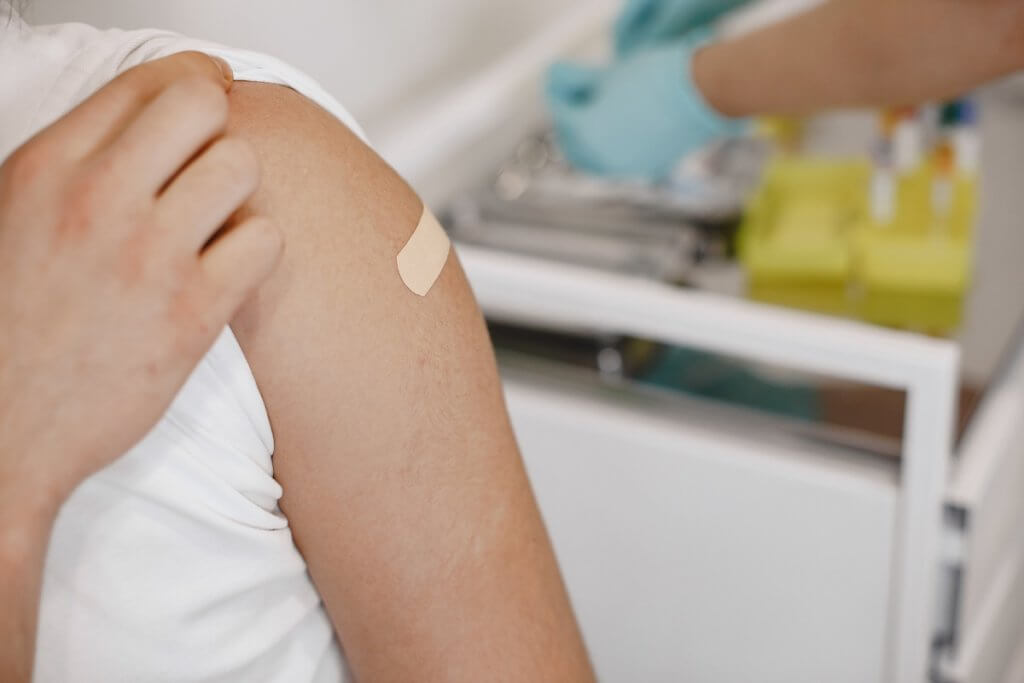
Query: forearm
point(863, 52)
point(24, 536)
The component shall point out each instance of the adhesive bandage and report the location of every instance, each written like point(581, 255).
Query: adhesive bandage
point(424, 255)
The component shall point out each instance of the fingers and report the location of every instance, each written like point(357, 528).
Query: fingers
point(168, 132)
point(237, 263)
point(569, 81)
point(91, 125)
point(571, 121)
point(202, 198)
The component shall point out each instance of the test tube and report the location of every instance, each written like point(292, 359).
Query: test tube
point(883, 183)
point(942, 188)
point(966, 139)
point(907, 140)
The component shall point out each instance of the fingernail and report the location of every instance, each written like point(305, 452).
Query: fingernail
point(225, 69)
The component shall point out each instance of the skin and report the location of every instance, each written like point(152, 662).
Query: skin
point(109, 293)
point(402, 480)
point(848, 53)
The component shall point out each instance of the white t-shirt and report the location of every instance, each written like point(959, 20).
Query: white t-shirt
point(175, 563)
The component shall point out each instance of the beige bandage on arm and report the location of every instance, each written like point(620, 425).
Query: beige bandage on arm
point(424, 255)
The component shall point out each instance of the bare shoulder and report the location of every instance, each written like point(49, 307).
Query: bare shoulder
point(345, 215)
point(306, 152)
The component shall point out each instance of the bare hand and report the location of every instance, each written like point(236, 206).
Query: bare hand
point(111, 289)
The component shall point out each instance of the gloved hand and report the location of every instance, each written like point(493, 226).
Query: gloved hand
point(636, 118)
point(644, 23)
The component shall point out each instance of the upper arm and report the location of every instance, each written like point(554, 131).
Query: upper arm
point(402, 481)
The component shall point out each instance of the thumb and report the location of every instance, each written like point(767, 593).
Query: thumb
point(633, 24)
point(237, 263)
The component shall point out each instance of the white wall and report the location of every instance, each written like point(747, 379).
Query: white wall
point(372, 54)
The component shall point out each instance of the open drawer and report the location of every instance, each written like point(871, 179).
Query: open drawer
point(543, 293)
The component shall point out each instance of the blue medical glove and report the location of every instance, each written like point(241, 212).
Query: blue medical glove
point(636, 118)
point(644, 23)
